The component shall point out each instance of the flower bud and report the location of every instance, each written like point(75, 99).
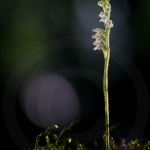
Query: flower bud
point(55, 126)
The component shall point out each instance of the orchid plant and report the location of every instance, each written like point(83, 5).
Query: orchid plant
point(102, 43)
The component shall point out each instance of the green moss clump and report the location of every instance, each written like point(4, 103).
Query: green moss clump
point(53, 141)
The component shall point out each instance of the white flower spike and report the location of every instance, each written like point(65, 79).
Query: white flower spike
point(102, 43)
point(101, 35)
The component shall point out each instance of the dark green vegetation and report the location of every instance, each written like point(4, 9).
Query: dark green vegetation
point(53, 142)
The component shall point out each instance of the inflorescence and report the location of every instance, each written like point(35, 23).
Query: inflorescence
point(101, 35)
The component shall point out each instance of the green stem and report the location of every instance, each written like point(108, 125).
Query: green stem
point(105, 88)
point(106, 100)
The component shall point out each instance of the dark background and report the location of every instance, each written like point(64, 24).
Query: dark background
point(28, 25)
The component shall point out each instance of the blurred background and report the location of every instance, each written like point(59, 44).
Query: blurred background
point(49, 73)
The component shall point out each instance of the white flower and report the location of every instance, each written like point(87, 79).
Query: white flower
point(108, 9)
point(104, 19)
point(96, 43)
point(98, 33)
point(96, 30)
point(95, 36)
point(98, 47)
point(100, 3)
point(98, 40)
point(102, 14)
point(109, 24)
point(108, 6)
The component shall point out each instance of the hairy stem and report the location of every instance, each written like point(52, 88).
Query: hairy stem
point(105, 88)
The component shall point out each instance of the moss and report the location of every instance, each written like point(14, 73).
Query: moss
point(53, 141)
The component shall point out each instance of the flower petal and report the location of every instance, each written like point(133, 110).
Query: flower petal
point(102, 14)
point(96, 30)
